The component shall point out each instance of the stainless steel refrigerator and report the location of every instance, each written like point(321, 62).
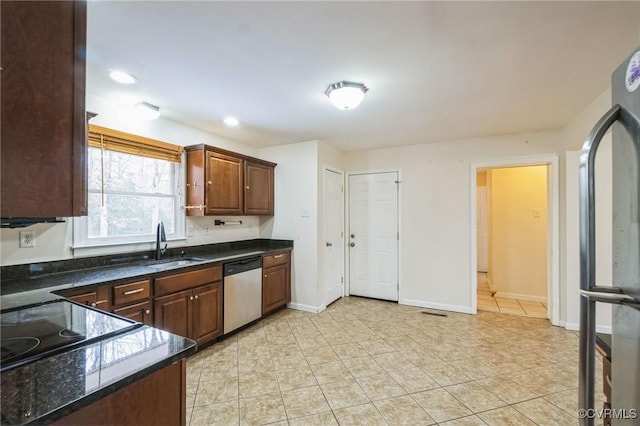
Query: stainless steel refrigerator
point(624, 117)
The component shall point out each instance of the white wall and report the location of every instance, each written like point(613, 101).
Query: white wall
point(436, 209)
point(519, 240)
point(54, 241)
point(296, 216)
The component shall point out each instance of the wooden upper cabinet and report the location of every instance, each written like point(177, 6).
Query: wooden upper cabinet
point(44, 146)
point(258, 189)
point(224, 184)
point(221, 182)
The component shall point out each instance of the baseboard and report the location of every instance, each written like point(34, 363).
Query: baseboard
point(438, 306)
point(306, 308)
point(504, 295)
point(606, 329)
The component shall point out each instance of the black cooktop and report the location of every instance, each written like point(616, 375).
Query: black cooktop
point(32, 332)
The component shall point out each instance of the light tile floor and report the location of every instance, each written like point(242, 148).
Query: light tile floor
point(368, 362)
point(487, 302)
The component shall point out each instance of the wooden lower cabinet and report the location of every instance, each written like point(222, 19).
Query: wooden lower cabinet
point(206, 318)
point(140, 312)
point(96, 298)
point(196, 314)
point(171, 313)
point(158, 399)
point(276, 282)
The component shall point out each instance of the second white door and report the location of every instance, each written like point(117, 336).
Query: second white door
point(333, 235)
point(373, 235)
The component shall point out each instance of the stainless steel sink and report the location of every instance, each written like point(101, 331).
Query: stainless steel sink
point(175, 263)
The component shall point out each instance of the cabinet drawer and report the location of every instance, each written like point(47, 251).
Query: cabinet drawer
point(275, 259)
point(140, 312)
point(186, 280)
point(127, 293)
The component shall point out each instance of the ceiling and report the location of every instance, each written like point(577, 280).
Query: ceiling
point(436, 71)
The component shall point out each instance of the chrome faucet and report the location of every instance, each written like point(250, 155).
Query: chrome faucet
point(160, 237)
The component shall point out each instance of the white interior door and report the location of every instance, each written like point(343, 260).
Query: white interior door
point(481, 229)
point(373, 235)
point(333, 235)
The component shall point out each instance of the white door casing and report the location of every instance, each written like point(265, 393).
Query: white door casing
point(481, 228)
point(373, 235)
point(553, 240)
point(333, 268)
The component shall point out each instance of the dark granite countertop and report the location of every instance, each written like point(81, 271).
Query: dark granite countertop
point(25, 290)
point(48, 389)
point(51, 388)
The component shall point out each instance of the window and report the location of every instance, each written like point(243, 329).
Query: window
point(133, 184)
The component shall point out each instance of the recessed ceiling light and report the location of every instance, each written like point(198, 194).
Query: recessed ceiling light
point(231, 121)
point(122, 77)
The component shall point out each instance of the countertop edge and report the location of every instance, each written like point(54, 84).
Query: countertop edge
point(113, 387)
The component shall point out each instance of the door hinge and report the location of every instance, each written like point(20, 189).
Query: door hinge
point(398, 236)
point(341, 280)
point(398, 181)
point(341, 188)
point(341, 234)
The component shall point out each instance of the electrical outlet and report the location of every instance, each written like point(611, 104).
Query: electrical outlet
point(190, 231)
point(207, 229)
point(27, 239)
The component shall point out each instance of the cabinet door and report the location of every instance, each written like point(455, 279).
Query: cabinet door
point(258, 190)
point(89, 298)
point(207, 313)
point(43, 129)
point(96, 298)
point(141, 312)
point(172, 313)
point(275, 291)
point(224, 174)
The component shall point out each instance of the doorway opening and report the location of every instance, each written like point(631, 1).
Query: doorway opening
point(515, 236)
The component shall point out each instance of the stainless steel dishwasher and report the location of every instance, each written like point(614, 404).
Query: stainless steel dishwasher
point(242, 292)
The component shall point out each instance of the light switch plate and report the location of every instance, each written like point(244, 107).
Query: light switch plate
point(27, 239)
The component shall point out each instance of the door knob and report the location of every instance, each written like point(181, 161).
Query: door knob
point(353, 235)
point(352, 244)
point(329, 244)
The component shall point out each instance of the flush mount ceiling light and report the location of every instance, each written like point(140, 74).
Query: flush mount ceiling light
point(231, 121)
point(346, 94)
point(122, 77)
point(147, 111)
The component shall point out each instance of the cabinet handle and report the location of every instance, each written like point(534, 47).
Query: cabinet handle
point(130, 292)
point(147, 312)
point(209, 182)
point(100, 302)
point(278, 256)
point(265, 275)
point(196, 296)
point(93, 304)
point(247, 186)
point(190, 297)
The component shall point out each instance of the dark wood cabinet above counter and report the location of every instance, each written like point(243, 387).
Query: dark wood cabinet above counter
point(221, 182)
point(44, 146)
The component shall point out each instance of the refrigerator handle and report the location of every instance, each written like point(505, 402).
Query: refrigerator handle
point(586, 191)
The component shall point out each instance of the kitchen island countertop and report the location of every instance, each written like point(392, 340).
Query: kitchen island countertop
point(43, 391)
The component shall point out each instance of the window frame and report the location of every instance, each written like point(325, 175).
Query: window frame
point(81, 237)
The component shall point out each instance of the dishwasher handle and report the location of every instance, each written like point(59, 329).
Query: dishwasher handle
point(232, 268)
